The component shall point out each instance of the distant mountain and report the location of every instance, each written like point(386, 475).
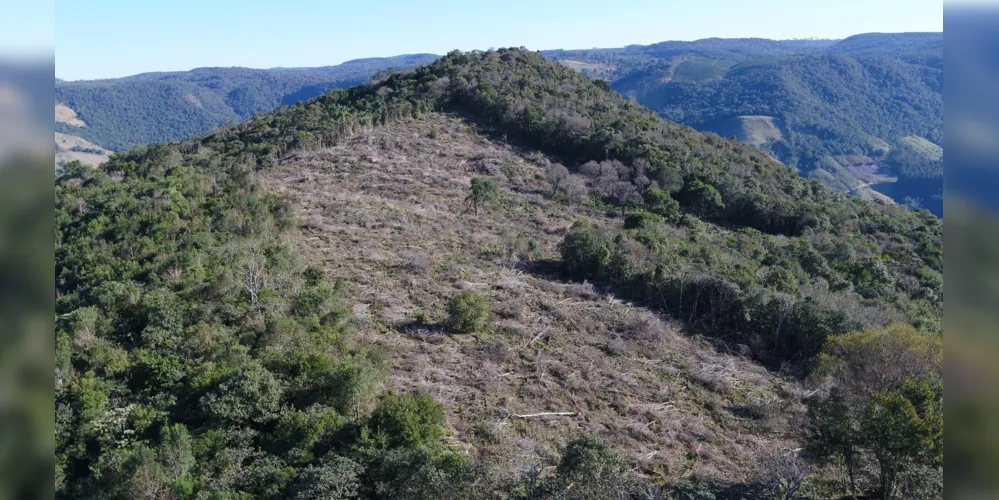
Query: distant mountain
point(157, 107)
point(862, 112)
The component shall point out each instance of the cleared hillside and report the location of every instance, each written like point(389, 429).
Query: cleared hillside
point(385, 213)
point(276, 310)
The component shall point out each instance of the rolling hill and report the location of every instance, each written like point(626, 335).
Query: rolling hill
point(158, 107)
point(487, 277)
point(842, 106)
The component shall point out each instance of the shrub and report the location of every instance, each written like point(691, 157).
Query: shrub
point(468, 311)
point(585, 252)
point(592, 468)
point(412, 420)
point(638, 220)
point(661, 203)
point(481, 192)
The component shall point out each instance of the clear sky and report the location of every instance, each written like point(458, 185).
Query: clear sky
point(113, 38)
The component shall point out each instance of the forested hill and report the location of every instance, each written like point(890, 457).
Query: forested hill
point(864, 110)
point(289, 307)
point(119, 113)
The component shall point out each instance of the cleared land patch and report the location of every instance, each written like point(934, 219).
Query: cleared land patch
point(65, 114)
point(385, 213)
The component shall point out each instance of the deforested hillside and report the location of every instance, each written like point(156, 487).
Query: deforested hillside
point(489, 277)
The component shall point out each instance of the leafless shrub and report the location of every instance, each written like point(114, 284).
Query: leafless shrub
point(617, 346)
point(557, 175)
point(582, 290)
point(780, 473)
point(496, 351)
point(510, 309)
point(314, 223)
point(576, 191)
point(712, 378)
point(647, 327)
point(590, 169)
point(417, 263)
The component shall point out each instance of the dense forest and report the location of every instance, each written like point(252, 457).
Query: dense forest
point(160, 107)
point(199, 355)
point(823, 100)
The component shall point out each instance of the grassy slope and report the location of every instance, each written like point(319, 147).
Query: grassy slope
point(385, 213)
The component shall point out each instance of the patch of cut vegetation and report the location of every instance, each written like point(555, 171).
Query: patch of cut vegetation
point(754, 130)
point(71, 148)
point(65, 114)
point(591, 69)
point(701, 69)
point(385, 213)
point(924, 147)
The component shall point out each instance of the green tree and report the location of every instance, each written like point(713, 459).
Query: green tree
point(336, 478)
point(704, 198)
point(409, 420)
point(590, 469)
point(482, 191)
point(585, 251)
point(834, 434)
point(893, 431)
point(420, 473)
point(661, 203)
point(468, 311)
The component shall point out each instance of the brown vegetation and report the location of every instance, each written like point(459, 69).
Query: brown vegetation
point(384, 212)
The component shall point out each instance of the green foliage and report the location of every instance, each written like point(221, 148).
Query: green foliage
point(468, 311)
point(637, 220)
point(420, 473)
point(336, 478)
point(482, 191)
point(886, 406)
point(585, 251)
point(160, 107)
point(590, 469)
point(661, 203)
point(410, 421)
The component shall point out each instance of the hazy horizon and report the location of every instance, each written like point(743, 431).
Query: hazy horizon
point(113, 38)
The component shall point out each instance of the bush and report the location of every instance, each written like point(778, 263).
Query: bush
point(585, 252)
point(468, 311)
point(661, 203)
point(413, 420)
point(638, 220)
point(592, 468)
point(481, 192)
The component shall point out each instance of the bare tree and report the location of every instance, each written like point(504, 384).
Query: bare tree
point(254, 278)
point(781, 473)
point(557, 175)
point(576, 191)
point(624, 193)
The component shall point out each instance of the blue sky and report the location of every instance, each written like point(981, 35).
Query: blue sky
point(113, 38)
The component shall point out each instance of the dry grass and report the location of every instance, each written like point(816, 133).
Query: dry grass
point(385, 213)
point(65, 114)
point(63, 153)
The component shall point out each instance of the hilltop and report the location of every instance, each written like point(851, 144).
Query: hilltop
point(278, 309)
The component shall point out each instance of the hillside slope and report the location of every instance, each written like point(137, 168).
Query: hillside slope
point(160, 107)
point(231, 309)
point(859, 96)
